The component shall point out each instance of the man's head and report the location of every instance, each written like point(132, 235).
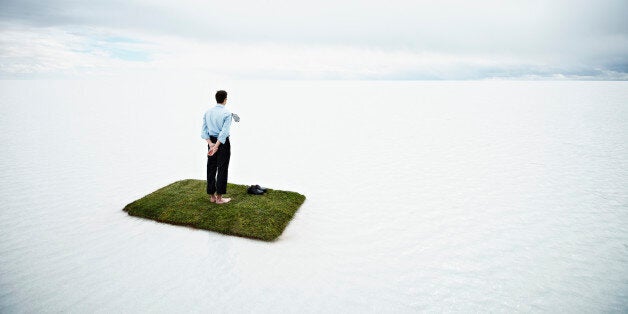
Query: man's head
point(221, 97)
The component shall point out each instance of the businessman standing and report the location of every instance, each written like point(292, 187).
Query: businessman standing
point(216, 125)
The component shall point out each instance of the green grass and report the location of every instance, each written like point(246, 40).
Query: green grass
point(186, 203)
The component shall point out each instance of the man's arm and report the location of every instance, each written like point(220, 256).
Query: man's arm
point(222, 136)
point(205, 133)
point(226, 127)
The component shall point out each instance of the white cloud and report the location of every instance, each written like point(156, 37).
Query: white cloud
point(399, 39)
point(32, 52)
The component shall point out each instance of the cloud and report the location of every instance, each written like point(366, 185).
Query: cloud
point(52, 52)
point(324, 39)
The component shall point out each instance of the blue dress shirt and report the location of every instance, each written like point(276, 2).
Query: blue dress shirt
point(216, 122)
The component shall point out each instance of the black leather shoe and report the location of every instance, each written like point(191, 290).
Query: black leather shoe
point(254, 190)
point(261, 188)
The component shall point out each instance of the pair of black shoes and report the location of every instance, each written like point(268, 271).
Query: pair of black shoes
point(256, 190)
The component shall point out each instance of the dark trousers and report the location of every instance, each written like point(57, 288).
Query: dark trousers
point(218, 163)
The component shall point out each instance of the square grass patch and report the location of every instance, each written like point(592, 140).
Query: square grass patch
point(186, 203)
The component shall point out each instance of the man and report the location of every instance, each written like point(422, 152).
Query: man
point(216, 125)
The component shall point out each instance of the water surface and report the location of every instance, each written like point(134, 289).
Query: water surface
point(422, 196)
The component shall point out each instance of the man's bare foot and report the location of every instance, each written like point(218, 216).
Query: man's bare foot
point(212, 198)
point(222, 200)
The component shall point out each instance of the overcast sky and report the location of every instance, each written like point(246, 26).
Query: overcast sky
point(295, 39)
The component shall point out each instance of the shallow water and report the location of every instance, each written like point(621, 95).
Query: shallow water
point(422, 196)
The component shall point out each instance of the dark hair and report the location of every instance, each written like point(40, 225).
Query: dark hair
point(221, 95)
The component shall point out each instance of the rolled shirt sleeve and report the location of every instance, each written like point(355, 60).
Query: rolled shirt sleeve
point(226, 126)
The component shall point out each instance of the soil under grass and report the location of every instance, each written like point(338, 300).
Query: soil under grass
point(186, 203)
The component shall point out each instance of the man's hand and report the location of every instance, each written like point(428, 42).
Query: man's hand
point(209, 142)
point(213, 149)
